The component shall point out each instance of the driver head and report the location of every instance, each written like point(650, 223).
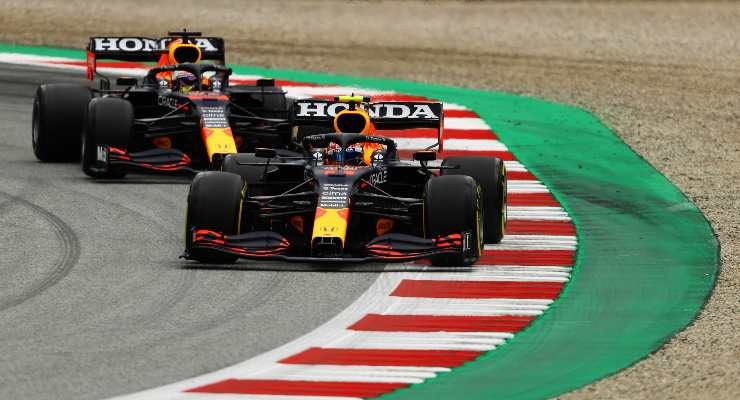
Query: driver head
point(184, 81)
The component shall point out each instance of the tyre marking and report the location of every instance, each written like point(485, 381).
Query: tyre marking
point(67, 259)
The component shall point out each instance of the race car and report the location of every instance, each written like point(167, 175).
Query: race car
point(180, 118)
point(330, 203)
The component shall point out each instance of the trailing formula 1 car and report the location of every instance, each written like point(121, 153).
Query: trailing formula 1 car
point(182, 117)
point(333, 203)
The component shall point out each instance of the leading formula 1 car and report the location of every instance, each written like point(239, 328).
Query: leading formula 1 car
point(329, 204)
point(181, 118)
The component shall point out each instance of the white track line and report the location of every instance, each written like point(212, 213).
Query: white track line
point(484, 273)
point(348, 372)
point(465, 123)
point(451, 144)
point(460, 307)
point(241, 77)
point(526, 187)
point(535, 242)
point(453, 106)
point(514, 166)
point(413, 341)
point(537, 213)
point(510, 165)
point(54, 62)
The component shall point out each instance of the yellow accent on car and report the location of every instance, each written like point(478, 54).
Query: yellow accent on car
point(242, 196)
point(218, 140)
point(330, 222)
point(353, 99)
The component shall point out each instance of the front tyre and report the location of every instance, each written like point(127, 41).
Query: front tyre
point(490, 173)
point(214, 202)
point(110, 123)
point(452, 205)
point(58, 119)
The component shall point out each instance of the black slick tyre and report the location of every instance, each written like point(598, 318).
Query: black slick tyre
point(58, 119)
point(452, 205)
point(490, 173)
point(110, 122)
point(214, 202)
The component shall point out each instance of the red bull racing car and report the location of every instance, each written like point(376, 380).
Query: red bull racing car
point(346, 197)
point(182, 117)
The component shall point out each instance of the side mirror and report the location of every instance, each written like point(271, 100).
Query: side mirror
point(425, 155)
point(126, 81)
point(264, 152)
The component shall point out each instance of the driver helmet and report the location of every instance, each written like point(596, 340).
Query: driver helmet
point(183, 81)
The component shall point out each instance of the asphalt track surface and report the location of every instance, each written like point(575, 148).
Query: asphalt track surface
point(93, 299)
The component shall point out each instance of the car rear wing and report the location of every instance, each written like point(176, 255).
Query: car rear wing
point(142, 49)
point(383, 115)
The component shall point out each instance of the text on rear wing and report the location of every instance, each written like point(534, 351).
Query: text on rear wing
point(306, 109)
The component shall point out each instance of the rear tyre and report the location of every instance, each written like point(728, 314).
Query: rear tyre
point(58, 119)
point(214, 202)
point(490, 173)
point(110, 122)
point(452, 205)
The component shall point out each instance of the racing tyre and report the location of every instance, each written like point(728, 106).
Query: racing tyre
point(215, 203)
point(452, 205)
point(58, 118)
point(490, 173)
point(110, 122)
